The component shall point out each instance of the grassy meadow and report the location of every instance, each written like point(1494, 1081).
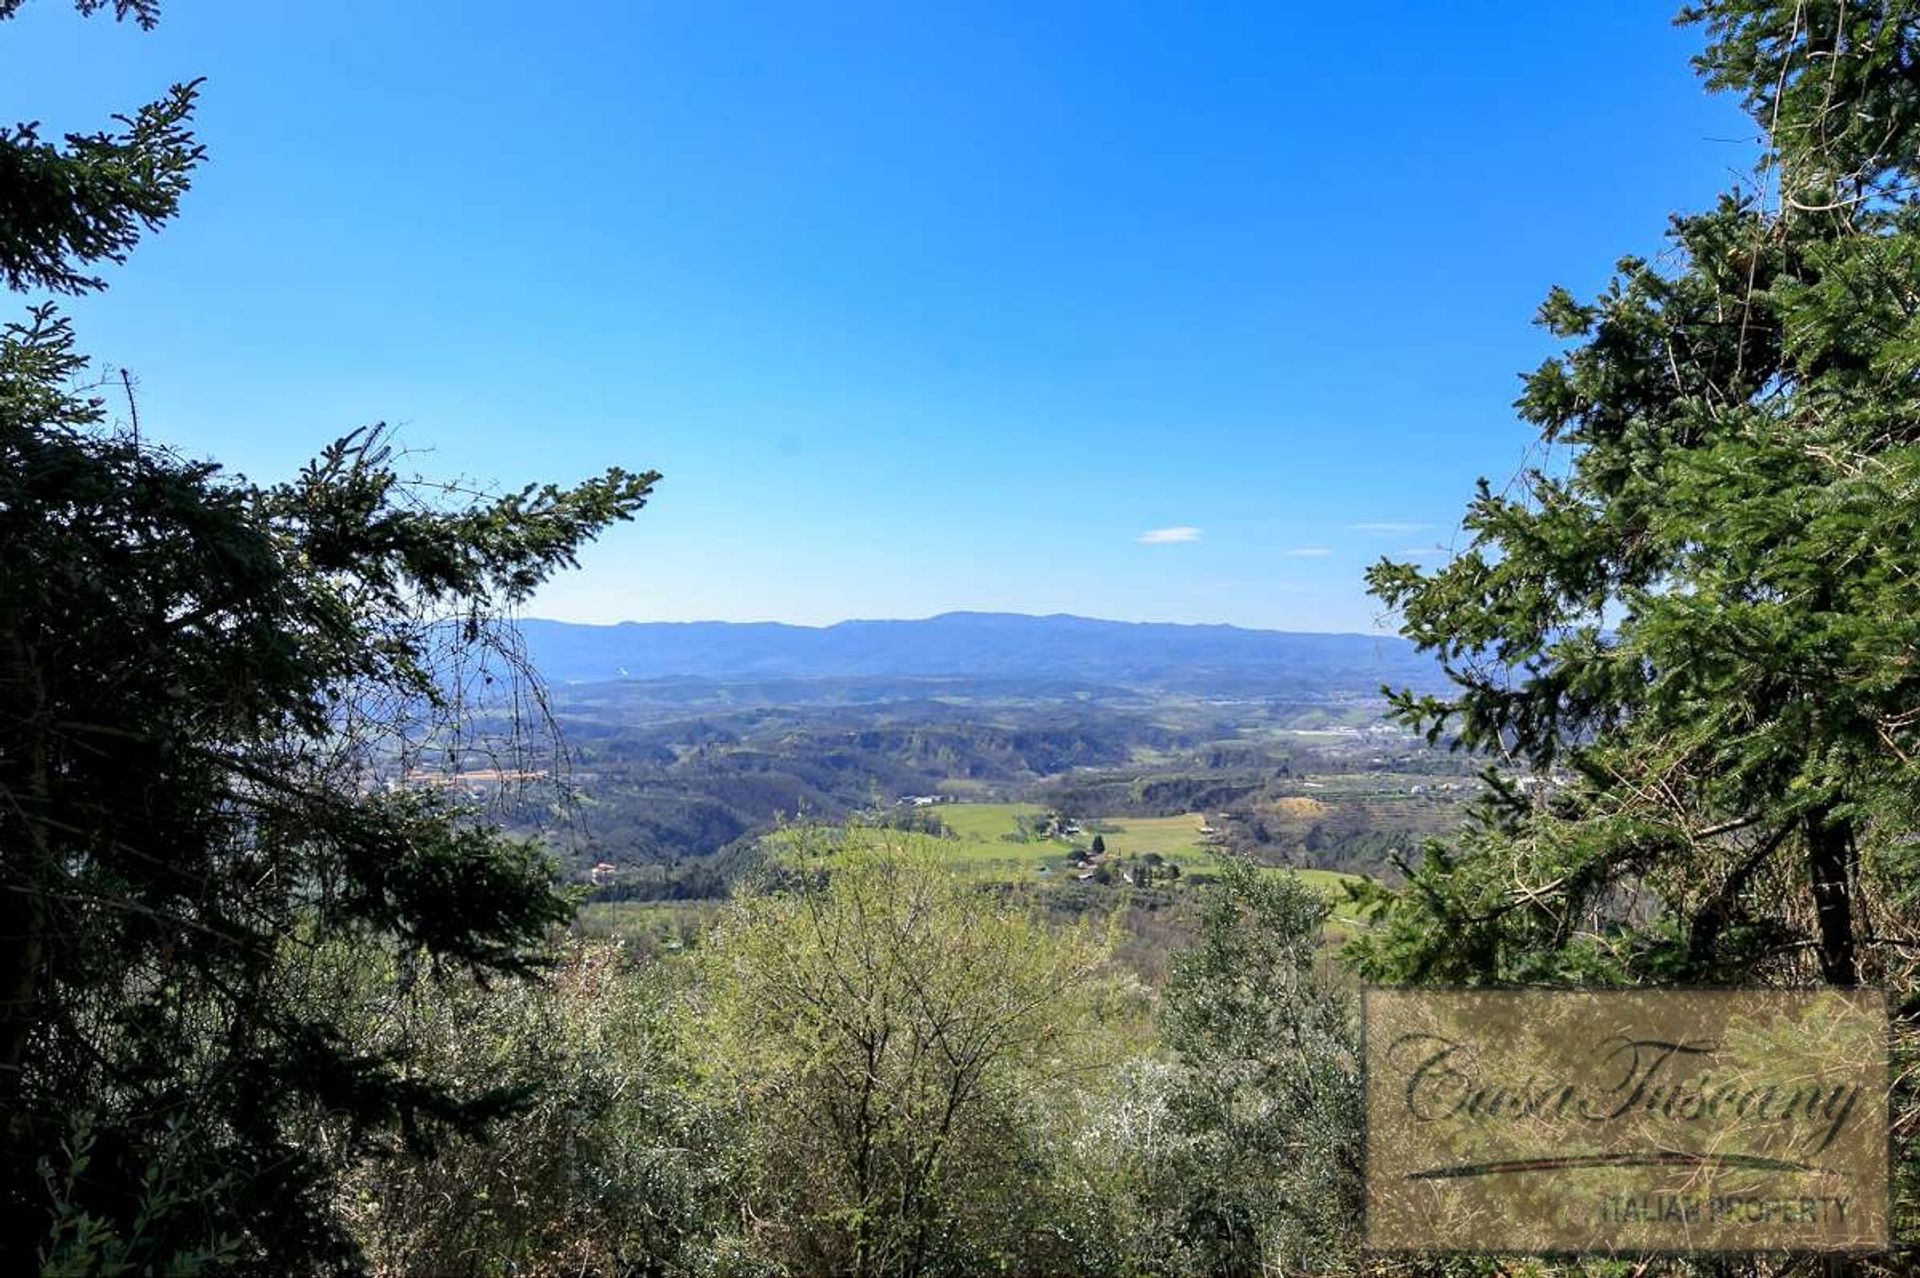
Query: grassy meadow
point(989, 846)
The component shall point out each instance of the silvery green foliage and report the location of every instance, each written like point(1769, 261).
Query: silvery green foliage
point(1263, 1171)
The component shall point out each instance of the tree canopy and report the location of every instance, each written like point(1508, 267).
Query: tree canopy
point(206, 685)
point(1686, 632)
point(885, 1031)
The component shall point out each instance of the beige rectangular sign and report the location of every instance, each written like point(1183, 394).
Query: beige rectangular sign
point(1626, 1121)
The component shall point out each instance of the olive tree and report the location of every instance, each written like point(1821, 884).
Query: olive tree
point(888, 1037)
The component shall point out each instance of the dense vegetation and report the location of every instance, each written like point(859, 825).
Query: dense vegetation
point(289, 984)
point(882, 1069)
point(197, 677)
point(1702, 613)
point(1705, 617)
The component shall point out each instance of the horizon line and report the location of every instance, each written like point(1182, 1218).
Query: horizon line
point(962, 612)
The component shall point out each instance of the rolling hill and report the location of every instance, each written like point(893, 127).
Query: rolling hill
point(993, 647)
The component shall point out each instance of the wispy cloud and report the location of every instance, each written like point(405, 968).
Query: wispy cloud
point(1309, 552)
point(1169, 536)
point(1393, 526)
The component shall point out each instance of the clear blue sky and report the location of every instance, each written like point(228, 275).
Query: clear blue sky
point(917, 307)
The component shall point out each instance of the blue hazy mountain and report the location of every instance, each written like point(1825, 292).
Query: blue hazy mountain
point(998, 648)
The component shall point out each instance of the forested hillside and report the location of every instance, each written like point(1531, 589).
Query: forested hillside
point(664, 773)
point(1219, 661)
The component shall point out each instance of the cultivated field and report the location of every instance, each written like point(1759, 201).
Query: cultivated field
point(990, 846)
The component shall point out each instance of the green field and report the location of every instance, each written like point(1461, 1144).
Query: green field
point(987, 839)
point(988, 847)
point(984, 822)
point(1176, 838)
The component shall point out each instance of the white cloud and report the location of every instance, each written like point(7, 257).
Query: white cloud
point(1169, 536)
point(1393, 526)
point(1309, 552)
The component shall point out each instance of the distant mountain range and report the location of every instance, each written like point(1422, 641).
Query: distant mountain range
point(993, 647)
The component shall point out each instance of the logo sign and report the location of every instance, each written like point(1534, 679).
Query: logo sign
point(1627, 1121)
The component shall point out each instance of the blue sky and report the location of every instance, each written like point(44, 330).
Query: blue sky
point(918, 307)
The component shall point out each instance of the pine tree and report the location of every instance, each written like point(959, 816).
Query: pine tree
point(1687, 634)
point(203, 683)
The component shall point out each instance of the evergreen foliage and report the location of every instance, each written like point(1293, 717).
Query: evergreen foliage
point(613, 1166)
point(1688, 632)
point(255, 995)
point(203, 682)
